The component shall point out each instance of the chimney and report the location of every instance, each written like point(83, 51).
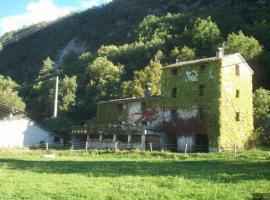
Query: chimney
point(147, 92)
point(220, 53)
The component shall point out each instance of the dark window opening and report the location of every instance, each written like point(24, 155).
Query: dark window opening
point(202, 67)
point(237, 116)
point(173, 115)
point(174, 71)
point(237, 70)
point(237, 93)
point(143, 106)
point(174, 92)
point(201, 113)
point(56, 139)
point(122, 138)
point(144, 123)
point(120, 107)
point(201, 90)
point(201, 143)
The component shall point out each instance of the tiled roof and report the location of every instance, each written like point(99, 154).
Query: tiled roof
point(133, 99)
point(204, 60)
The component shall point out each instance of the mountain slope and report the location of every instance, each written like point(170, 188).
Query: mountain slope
point(117, 24)
point(135, 30)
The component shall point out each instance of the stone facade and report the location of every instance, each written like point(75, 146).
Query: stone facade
point(204, 103)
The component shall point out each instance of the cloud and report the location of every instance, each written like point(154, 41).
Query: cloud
point(85, 4)
point(42, 10)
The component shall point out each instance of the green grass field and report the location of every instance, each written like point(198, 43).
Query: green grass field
point(133, 175)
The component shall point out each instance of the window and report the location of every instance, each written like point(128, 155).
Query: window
point(174, 92)
point(201, 113)
point(173, 115)
point(237, 94)
point(174, 71)
point(120, 107)
point(237, 70)
point(237, 116)
point(201, 90)
point(143, 106)
point(202, 67)
point(144, 123)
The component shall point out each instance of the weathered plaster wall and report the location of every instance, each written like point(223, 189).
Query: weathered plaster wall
point(233, 132)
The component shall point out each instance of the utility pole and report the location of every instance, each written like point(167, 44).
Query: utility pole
point(56, 97)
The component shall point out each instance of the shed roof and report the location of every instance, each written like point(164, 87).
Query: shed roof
point(10, 110)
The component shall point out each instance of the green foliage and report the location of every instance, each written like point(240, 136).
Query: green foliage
point(8, 93)
point(47, 66)
point(104, 76)
point(154, 28)
point(67, 93)
point(71, 64)
point(129, 33)
point(206, 35)
point(60, 125)
point(248, 47)
point(261, 103)
point(183, 53)
point(40, 98)
point(108, 51)
point(150, 74)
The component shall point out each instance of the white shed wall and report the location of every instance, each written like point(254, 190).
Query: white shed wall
point(21, 133)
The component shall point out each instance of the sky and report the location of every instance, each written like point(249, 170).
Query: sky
point(15, 14)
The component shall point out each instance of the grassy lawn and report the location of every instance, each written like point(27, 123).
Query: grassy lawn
point(133, 175)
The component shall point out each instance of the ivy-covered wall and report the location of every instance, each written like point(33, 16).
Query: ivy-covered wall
point(129, 110)
point(197, 87)
point(236, 97)
point(212, 90)
point(223, 92)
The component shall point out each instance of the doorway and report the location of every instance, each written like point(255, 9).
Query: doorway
point(201, 143)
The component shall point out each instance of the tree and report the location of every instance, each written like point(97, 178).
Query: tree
point(61, 125)
point(248, 47)
point(47, 66)
point(150, 74)
point(67, 93)
point(70, 64)
point(40, 99)
point(104, 76)
point(8, 94)
point(108, 51)
point(261, 103)
point(183, 54)
point(205, 35)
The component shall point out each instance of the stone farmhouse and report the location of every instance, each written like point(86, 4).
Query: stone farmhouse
point(205, 105)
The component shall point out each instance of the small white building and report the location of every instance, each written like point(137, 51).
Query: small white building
point(17, 130)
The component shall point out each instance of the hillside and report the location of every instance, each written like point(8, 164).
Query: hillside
point(134, 40)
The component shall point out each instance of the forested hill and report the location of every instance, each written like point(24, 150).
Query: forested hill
point(117, 23)
point(124, 36)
